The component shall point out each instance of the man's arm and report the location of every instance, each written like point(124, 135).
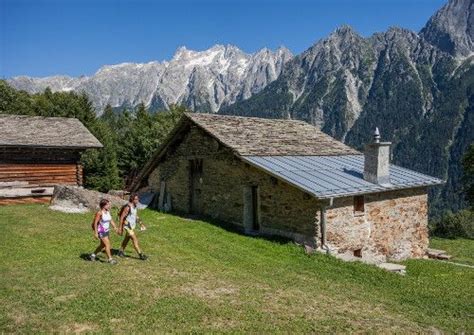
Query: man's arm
point(115, 227)
point(139, 220)
point(123, 216)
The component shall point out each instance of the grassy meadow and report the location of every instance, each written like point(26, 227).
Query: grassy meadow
point(205, 278)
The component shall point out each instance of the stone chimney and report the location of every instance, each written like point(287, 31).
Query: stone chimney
point(377, 161)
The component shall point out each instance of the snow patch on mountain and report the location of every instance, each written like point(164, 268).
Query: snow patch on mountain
point(200, 80)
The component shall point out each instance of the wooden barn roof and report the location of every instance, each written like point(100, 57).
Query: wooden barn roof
point(45, 132)
point(251, 136)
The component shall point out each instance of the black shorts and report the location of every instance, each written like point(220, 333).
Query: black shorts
point(104, 234)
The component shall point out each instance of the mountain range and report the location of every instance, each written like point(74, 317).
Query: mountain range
point(200, 80)
point(417, 87)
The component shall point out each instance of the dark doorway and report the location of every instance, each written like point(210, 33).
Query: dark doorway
point(255, 223)
point(195, 186)
point(251, 209)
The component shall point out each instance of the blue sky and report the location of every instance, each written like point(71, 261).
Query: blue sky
point(40, 38)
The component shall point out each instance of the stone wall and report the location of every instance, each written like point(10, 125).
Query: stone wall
point(283, 209)
point(394, 224)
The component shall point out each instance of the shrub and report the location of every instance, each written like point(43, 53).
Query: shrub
point(453, 225)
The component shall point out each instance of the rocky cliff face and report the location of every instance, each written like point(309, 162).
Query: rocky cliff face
point(451, 29)
point(200, 80)
point(417, 88)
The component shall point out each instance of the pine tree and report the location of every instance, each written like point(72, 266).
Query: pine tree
point(109, 116)
point(100, 165)
point(468, 175)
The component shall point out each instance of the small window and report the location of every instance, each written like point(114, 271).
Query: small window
point(196, 167)
point(273, 180)
point(358, 253)
point(359, 204)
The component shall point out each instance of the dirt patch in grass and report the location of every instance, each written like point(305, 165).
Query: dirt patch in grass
point(66, 297)
point(19, 318)
point(210, 290)
point(78, 328)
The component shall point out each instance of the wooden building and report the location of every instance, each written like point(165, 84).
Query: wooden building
point(37, 153)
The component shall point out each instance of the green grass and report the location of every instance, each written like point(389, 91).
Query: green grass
point(203, 278)
point(461, 249)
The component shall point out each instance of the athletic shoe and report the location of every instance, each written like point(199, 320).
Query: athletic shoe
point(112, 261)
point(143, 257)
point(121, 253)
point(92, 257)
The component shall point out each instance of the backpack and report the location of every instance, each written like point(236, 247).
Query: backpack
point(120, 212)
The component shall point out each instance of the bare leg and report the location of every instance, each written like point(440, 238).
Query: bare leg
point(99, 248)
point(135, 243)
point(106, 242)
point(125, 242)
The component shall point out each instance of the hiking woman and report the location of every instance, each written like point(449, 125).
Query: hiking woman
point(101, 224)
point(128, 220)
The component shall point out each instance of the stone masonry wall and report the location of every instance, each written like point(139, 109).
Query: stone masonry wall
point(394, 224)
point(283, 209)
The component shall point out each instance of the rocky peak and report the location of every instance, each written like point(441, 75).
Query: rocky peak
point(201, 80)
point(341, 46)
point(342, 38)
point(451, 29)
point(285, 52)
point(181, 52)
point(344, 30)
point(395, 37)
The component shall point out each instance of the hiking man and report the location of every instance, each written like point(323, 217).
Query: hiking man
point(128, 219)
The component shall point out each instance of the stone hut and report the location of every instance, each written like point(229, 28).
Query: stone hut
point(37, 153)
point(288, 178)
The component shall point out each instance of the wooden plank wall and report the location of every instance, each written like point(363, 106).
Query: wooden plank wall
point(39, 167)
point(42, 174)
point(38, 155)
point(25, 200)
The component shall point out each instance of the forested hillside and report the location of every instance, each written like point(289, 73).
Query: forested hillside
point(417, 88)
point(129, 137)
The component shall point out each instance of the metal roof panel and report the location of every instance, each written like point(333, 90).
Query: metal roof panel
point(335, 176)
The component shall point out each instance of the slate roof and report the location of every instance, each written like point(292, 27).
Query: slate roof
point(335, 176)
point(251, 136)
point(45, 132)
point(293, 151)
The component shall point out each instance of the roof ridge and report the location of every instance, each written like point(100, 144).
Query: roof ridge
point(197, 114)
point(38, 116)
